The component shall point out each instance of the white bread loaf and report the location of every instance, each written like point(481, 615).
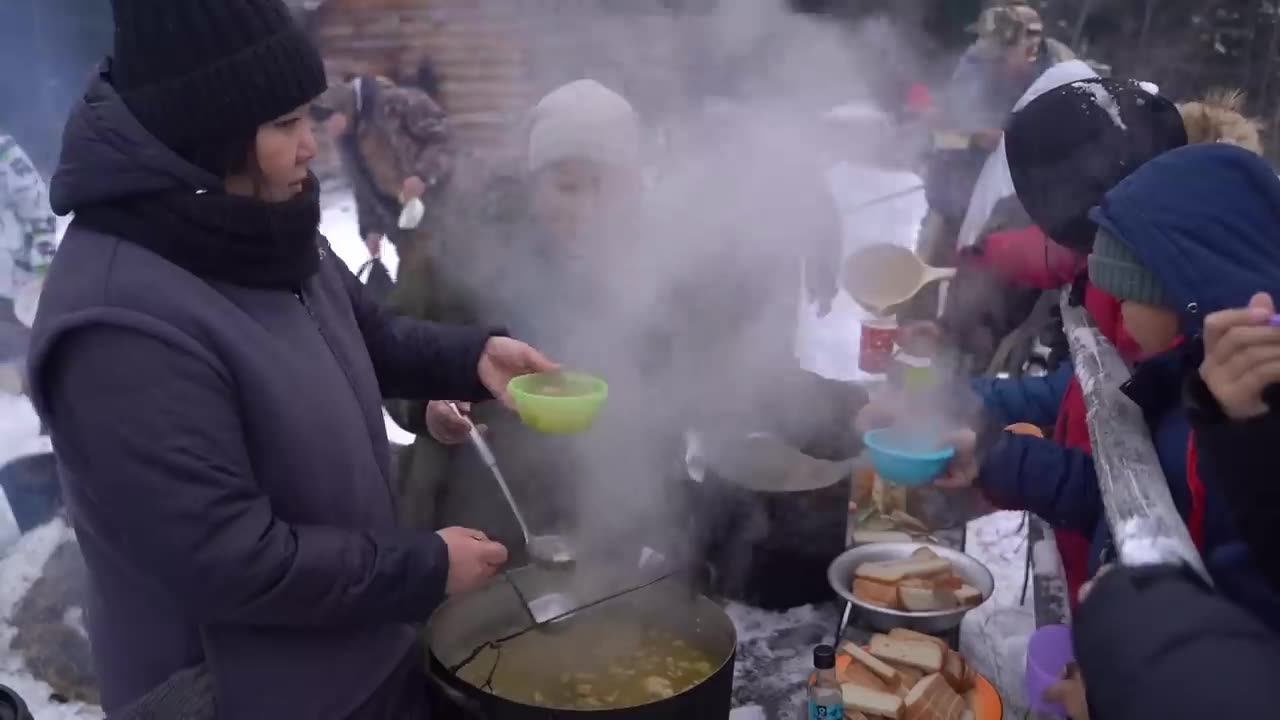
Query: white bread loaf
point(918, 599)
point(920, 655)
point(933, 699)
point(905, 634)
point(955, 670)
point(876, 593)
point(969, 596)
point(895, 571)
point(871, 662)
point(870, 702)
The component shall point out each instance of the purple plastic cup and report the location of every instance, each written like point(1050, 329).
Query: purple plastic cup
point(1048, 654)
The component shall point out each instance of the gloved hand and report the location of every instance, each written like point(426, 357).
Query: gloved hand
point(187, 695)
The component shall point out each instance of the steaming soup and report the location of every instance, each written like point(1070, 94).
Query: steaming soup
point(880, 276)
point(560, 386)
point(592, 664)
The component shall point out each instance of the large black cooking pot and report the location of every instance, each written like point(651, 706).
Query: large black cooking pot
point(465, 623)
point(770, 520)
point(769, 486)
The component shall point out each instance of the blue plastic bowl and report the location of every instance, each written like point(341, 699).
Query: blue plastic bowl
point(904, 465)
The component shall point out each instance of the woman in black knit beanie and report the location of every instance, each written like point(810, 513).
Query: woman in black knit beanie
point(212, 377)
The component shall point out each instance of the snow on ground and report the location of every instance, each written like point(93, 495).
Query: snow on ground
point(338, 224)
point(19, 568)
point(829, 346)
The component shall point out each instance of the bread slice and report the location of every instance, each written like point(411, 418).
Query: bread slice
point(905, 634)
point(854, 715)
point(969, 596)
point(867, 537)
point(907, 676)
point(948, 582)
point(912, 653)
point(876, 593)
point(872, 663)
point(908, 522)
point(923, 583)
point(933, 699)
point(870, 702)
point(856, 673)
point(895, 571)
point(918, 599)
point(955, 671)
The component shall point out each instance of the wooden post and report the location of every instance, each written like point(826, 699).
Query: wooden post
point(1145, 525)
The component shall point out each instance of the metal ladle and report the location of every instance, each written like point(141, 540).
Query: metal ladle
point(549, 550)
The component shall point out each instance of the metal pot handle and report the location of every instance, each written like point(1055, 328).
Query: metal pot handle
point(469, 706)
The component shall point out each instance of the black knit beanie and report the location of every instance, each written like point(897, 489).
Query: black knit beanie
point(194, 72)
point(1070, 146)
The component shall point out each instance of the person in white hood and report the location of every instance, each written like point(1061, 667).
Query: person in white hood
point(28, 239)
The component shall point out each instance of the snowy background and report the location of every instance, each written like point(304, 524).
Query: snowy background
point(828, 346)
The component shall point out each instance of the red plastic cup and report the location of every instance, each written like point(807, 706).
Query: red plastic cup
point(1048, 654)
point(875, 349)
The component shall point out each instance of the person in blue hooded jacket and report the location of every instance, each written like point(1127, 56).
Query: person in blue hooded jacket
point(1191, 233)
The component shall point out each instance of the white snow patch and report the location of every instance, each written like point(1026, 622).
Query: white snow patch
point(829, 346)
point(994, 635)
point(74, 619)
point(1045, 558)
point(755, 624)
point(19, 429)
point(339, 225)
point(1105, 100)
point(19, 569)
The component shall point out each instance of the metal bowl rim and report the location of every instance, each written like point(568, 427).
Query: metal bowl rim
point(838, 585)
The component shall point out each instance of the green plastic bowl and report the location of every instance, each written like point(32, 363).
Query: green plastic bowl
point(559, 403)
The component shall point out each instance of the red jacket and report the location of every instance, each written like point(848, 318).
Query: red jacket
point(1027, 257)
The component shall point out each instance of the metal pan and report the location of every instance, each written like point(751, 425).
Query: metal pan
point(841, 574)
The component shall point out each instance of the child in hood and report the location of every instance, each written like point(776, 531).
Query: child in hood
point(1066, 151)
point(1190, 233)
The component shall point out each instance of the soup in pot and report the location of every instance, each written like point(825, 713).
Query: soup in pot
point(592, 663)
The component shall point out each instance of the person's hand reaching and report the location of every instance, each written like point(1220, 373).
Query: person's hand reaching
point(1069, 692)
point(1087, 588)
point(880, 412)
point(444, 424)
point(504, 359)
point(412, 188)
point(473, 559)
point(962, 471)
point(373, 243)
point(1242, 357)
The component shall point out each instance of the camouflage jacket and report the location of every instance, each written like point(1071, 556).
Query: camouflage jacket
point(396, 133)
point(28, 230)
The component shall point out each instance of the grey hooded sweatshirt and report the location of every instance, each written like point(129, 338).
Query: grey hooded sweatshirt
point(224, 457)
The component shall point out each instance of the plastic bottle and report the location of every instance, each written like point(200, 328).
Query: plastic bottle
point(826, 701)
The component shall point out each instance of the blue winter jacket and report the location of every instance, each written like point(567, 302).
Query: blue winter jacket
point(1205, 220)
point(1024, 399)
